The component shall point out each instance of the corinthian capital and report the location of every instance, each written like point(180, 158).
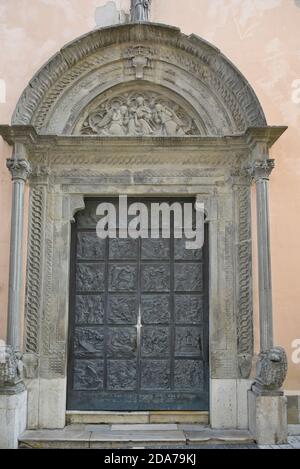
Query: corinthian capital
point(20, 169)
point(261, 169)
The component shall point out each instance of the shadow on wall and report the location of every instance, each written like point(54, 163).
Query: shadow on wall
point(108, 15)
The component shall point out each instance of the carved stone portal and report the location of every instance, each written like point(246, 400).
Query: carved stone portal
point(139, 114)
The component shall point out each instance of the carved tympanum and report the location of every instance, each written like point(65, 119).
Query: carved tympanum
point(271, 370)
point(139, 114)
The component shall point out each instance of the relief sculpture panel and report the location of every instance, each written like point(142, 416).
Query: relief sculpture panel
point(155, 375)
point(188, 375)
point(123, 248)
point(88, 340)
point(139, 114)
point(122, 277)
point(122, 309)
point(122, 375)
point(138, 324)
point(188, 309)
point(90, 277)
point(122, 342)
point(89, 246)
point(188, 341)
point(88, 375)
point(156, 277)
point(155, 309)
point(89, 309)
point(188, 277)
point(155, 342)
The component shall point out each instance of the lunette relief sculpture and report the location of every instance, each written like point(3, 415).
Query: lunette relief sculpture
point(139, 115)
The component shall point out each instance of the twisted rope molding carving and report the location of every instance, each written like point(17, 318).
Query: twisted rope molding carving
point(245, 313)
point(33, 293)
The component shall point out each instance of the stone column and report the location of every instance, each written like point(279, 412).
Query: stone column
point(261, 173)
point(13, 395)
point(20, 169)
point(267, 404)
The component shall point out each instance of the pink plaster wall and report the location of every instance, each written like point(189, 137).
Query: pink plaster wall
point(262, 39)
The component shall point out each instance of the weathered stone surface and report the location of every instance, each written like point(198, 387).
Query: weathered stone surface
point(13, 412)
point(125, 437)
point(11, 371)
point(271, 371)
point(138, 114)
point(268, 418)
point(52, 403)
point(293, 409)
point(98, 418)
point(201, 73)
point(179, 417)
point(223, 403)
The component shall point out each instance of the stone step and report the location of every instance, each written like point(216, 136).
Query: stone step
point(152, 417)
point(133, 436)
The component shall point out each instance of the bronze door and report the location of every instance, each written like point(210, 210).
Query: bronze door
point(138, 334)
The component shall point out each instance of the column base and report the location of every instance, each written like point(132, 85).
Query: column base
point(13, 411)
point(268, 418)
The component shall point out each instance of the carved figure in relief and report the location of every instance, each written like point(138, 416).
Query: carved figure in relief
point(87, 375)
point(88, 278)
point(139, 114)
point(155, 278)
point(88, 341)
point(188, 342)
point(122, 278)
point(140, 10)
point(115, 122)
point(155, 342)
point(140, 121)
point(89, 310)
point(122, 310)
point(122, 341)
point(11, 366)
point(89, 247)
point(170, 124)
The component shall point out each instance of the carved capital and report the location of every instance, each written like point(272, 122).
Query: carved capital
point(271, 371)
point(20, 169)
point(261, 169)
point(11, 371)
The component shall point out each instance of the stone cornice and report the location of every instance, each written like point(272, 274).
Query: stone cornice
point(28, 136)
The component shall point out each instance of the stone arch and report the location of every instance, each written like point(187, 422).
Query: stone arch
point(185, 67)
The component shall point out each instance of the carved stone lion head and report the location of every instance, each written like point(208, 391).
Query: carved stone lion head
point(271, 368)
